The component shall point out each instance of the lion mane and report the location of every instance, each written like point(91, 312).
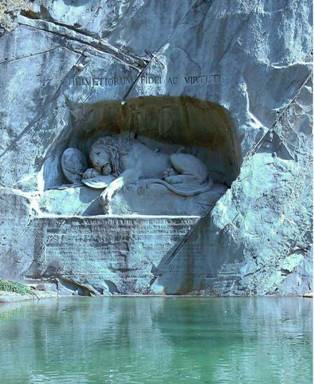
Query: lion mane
point(115, 148)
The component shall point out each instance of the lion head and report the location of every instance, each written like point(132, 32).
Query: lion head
point(106, 157)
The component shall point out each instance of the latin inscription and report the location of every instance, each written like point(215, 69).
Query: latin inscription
point(147, 79)
point(105, 246)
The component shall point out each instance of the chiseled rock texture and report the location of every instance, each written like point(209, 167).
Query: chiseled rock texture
point(250, 57)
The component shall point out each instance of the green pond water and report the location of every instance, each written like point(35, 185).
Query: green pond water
point(157, 340)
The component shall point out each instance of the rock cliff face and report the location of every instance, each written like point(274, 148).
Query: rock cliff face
point(63, 64)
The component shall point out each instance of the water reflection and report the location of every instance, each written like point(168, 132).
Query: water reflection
point(157, 340)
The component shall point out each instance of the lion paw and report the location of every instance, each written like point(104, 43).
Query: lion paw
point(105, 198)
point(168, 172)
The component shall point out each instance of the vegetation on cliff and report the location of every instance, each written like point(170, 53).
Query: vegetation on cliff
point(12, 286)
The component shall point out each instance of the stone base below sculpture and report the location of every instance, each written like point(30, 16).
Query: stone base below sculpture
point(154, 199)
point(158, 200)
point(113, 254)
point(71, 201)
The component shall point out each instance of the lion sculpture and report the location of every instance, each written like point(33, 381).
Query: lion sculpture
point(119, 161)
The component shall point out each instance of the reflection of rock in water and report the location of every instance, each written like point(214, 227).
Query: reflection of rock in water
point(154, 340)
point(142, 179)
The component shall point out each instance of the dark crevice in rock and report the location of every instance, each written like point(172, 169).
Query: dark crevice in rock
point(200, 3)
point(44, 15)
point(83, 289)
point(121, 269)
point(29, 13)
point(31, 55)
point(281, 115)
point(84, 39)
point(141, 73)
point(285, 272)
point(112, 287)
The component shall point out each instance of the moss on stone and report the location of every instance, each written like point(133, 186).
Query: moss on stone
point(12, 286)
point(9, 9)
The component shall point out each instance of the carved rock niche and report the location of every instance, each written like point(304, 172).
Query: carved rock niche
point(174, 156)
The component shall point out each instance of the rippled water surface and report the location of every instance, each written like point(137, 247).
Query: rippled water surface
point(157, 340)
